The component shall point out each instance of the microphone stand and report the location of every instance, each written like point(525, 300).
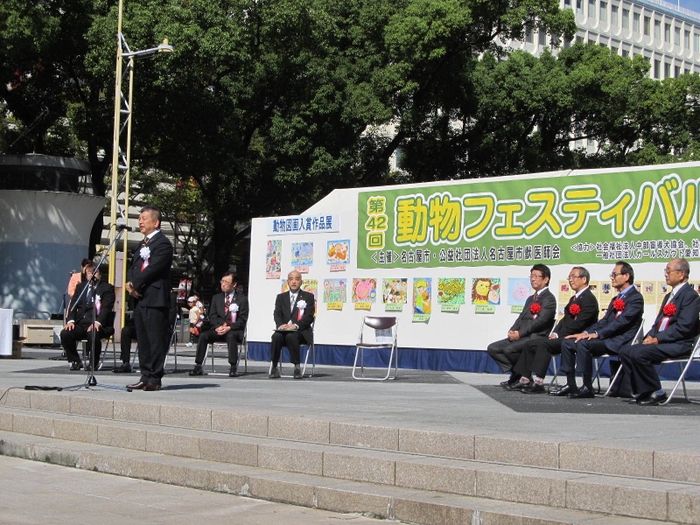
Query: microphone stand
point(90, 380)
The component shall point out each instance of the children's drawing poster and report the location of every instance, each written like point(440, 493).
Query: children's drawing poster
point(302, 256)
point(519, 290)
point(311, 286)
point(338, 255)
point(486, 294)
point(394, 294)
point(364, 293)
point(450, 293)
point(422, 298)
point(273, 259)
point(335, 293)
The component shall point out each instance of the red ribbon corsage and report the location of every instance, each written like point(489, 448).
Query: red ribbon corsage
point(535, 308)
point(670, 310)
point(574, 309)
point(619, 305)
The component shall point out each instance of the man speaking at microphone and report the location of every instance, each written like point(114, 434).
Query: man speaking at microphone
point(149, 284)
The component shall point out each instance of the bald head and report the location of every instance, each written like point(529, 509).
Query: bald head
point(294, 281)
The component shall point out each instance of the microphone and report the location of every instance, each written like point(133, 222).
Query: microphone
point(121, 227)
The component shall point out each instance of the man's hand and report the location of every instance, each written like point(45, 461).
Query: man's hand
point(94, 325)
point(649, 340)
point(513, 335)
point(132, 291)
point(69, 326)
point(223, 329)
point(288, 326)
point(582, 335)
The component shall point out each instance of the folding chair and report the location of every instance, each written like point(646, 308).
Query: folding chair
point(310, 350)
point(242, 348)
point(637, 339)
point(173, 345)
point(377, 333)
point(694, 356)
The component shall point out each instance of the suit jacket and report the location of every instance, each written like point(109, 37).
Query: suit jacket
point(217, 311)
point(618, 330)
point(588, 315)
point(526, 325)
point(683, 325)
point(284, 313)
point(153, 281)
point(104, 293)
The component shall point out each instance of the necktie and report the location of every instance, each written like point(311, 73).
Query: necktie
point(144, 242)
point(227, 303)
point(292, 300)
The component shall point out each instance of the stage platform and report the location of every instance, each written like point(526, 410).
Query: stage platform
point(429, 447)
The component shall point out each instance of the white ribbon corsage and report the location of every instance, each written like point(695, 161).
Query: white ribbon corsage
point(145, 253)
point(232, 309)
point(301, 304)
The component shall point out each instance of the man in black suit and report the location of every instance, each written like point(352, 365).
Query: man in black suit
point(149, 285)
point(580, 312)
point(672, 335)
point(92, 296)
point(228, 314)
point(535, 321)
point(616, 329)
point(294, 315)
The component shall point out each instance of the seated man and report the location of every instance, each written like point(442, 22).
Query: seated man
point(616, 329)
point(536, 320)
point(92, 296)
point(671, 336)
point(228, 314)
point(294, 315)
point(581, 311)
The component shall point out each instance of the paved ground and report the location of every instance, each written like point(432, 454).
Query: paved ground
point(450, 402)
point(34, 493)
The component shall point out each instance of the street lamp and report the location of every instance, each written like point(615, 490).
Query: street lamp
point(121, 156)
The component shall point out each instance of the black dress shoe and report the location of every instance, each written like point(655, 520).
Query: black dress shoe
point(197, 371)
point(137, 386)
point(297, 372)
point(151, 387)
point(124, 369)
point(76, 365)
point(533, 388)
point(562, 392)
point(652, 400)
point(516, 387)
point(233, 372)
point(582, 393)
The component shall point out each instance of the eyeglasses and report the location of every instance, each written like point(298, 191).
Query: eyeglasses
point(572, 277)
point(669, 270)
point(224, 281)
point(535, 276)
point(614, 274)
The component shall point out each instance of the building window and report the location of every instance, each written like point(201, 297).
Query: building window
point(657, 29)
point(614, 20)
point(625, 53)
point(636, 23)
point(647, 26)
point(591, 8)
point(603, 11)
point(667, 70)
point(528, 37)
point(567, 4)
point(657, 69)
point(579, 40)
point(677, 36)
point(678, 71)
point(696, 42)
point(686, 40)
point(625, 19)
point(667, 33)
point(542, 38)
point(579, 6)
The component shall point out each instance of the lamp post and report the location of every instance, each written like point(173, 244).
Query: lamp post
point(121, 149)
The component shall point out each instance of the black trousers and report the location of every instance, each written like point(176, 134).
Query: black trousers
point(506, 352)
point(71, 338)
point(232, 338)
point(293, 342)
point(128, 335)
point(535, 359)
point(639, 360)
point(153, 335)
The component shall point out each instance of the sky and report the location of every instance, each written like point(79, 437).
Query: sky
point(694, 5)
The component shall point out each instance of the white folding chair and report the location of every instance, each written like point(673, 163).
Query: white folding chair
point(377, 333)
point(694, 356)
point(637, 339)
point(310, 350)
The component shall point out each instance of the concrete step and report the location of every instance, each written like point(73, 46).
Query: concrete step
point(675, 462)
point(384, 501)
point(639, 497)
